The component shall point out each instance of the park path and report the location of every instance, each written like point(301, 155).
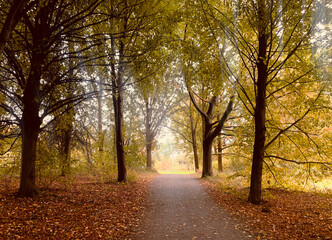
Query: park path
point(180, 208)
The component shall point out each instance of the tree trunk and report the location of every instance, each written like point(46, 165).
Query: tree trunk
point(118, 117)
point(148, 156)
point(148, 135)
point(194, 143)
point(219, 148)
point(255, 194)
point(66, 151)
point(117, 89)
point(193, 128)
point(211, 130)
point(30, 127)
point(207, 158)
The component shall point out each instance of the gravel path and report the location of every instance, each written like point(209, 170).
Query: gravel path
point(181, 209)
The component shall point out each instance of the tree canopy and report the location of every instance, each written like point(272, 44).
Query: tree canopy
point(91, 84)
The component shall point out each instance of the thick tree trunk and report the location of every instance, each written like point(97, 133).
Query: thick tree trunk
point(30, 127)
point(207, 158)
point(118, 117)
point(255, 194)
point(30, 131)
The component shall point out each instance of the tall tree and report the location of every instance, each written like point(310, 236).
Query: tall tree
point(33, 85)
point(131, 30)
point(211, 129)
point(272, 62)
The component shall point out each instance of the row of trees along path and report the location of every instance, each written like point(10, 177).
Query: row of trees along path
point(179, 208)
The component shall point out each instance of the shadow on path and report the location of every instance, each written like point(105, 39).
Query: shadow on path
point(181, 209)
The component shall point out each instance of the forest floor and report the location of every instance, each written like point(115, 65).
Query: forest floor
point(84, 207)
point(87, 207)
point(284, 214)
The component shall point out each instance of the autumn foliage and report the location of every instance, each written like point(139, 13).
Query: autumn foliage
point(282, 215)
point(87, 208)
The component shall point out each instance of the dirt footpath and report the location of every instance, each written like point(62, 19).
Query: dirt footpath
point(181, 209)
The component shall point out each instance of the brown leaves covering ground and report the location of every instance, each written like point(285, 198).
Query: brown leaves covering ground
point(282, 215)
point(86, 208)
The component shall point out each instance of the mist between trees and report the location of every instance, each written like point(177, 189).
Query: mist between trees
point(89, 86)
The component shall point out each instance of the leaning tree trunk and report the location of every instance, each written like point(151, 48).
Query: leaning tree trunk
point(193, 128)
point(255, 194)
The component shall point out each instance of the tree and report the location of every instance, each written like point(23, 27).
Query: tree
point(211, 129)
point(276, 66)
point(158, 103)
point(34, 85)
point(131, 32)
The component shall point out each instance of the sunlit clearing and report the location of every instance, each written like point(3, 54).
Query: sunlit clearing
point(176, 172)
point(169, 158)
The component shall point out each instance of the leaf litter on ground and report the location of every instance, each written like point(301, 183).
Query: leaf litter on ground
point(283, 214)
point(87, 208)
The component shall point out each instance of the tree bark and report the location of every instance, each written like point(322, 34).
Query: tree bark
point(207, 158)
point(255, 194)
point(193, 128)
point(117, 88)
point(219, 148)
point(30, 127)
point(194, 143)
point(148, 156)
point(30, 124)
point(148, 135)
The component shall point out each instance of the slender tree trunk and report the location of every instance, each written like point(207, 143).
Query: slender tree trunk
point(67, 139)
point(194, 143)
point(148, 156)
point(193, 128)
point(255, 195)
point(148, 135)
point(117, 89)
point(219, 148)
point(68, 130)
point(101, 133)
